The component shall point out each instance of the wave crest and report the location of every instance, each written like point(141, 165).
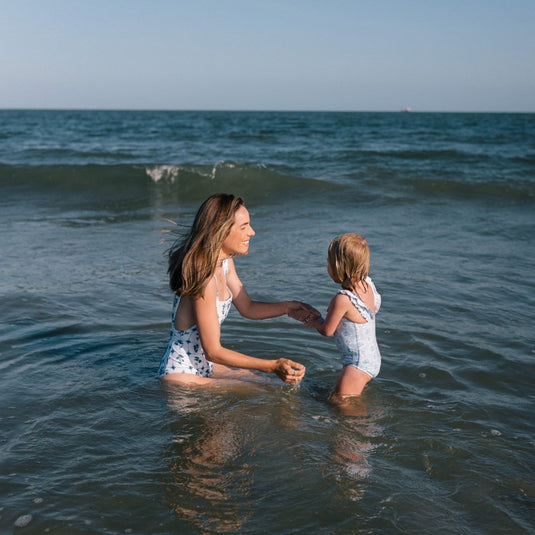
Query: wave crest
point(171, 172)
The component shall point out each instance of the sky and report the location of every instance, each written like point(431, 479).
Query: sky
point(348, 55)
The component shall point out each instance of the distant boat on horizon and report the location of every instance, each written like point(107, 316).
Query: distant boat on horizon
point(406, 109)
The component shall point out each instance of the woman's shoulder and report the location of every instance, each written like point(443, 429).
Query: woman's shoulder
point(210, 290)
point(230, 268)
point(229, 263)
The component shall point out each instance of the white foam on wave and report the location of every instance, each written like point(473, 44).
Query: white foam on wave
point(166, 172)
point(170, 172)
point(219, 165)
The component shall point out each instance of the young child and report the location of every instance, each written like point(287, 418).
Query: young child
point(351, 314)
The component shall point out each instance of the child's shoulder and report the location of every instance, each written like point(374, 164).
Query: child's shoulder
point(339, 303)
point(342, 296)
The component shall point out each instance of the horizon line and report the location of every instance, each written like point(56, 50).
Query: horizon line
point(274, 110)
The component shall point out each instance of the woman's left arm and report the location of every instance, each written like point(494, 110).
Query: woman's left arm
point(257, 310)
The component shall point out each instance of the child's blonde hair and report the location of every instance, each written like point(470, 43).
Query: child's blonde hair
point(349, 258)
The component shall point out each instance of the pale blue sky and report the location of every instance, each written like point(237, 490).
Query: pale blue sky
point(362, 55)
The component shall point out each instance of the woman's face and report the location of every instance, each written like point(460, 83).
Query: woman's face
point(237, 242)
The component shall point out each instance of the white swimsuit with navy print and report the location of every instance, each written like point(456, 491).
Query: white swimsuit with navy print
point(184, 353)
point(357, 341)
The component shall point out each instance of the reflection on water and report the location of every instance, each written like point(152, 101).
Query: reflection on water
point(231, 450)
point(208, 476)
point(357, 436)
point(349, 449)
point(209, 459)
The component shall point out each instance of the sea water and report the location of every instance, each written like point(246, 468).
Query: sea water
point(441, 442)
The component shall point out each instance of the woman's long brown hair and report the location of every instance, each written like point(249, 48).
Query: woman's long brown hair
point(193, 259)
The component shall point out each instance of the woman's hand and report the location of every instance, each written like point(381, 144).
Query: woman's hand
point(289, 371)
point(302, 312)
point(314, 321)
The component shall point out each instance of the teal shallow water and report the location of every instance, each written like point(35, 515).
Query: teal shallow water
point(442, 440)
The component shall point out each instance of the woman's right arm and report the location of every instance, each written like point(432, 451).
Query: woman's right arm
point(209, 330)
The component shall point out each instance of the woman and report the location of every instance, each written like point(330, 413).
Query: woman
point(204, 279)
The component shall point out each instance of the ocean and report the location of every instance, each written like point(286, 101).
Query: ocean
point(441, 442)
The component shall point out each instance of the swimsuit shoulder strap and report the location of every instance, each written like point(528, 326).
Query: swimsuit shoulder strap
point(175, 307)
point(224, 265)
point(376, 294)
point(357, 302)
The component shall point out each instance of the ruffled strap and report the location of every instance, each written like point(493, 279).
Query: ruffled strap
point(376, 294)
point(365, 312)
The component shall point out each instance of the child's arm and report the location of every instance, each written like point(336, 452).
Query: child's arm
point(336, 311)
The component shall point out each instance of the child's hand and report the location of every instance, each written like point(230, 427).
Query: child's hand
point(301, 311)
point(312, 321)
point(299, 315)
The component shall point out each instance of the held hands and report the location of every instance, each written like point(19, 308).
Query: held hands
point(302, 312)
point(314, 321)
point(289, 371)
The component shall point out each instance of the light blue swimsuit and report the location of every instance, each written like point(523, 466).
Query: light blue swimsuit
point(184, 353)
point(357, 341)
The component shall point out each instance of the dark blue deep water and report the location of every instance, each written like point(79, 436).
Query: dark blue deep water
point(442, 442)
